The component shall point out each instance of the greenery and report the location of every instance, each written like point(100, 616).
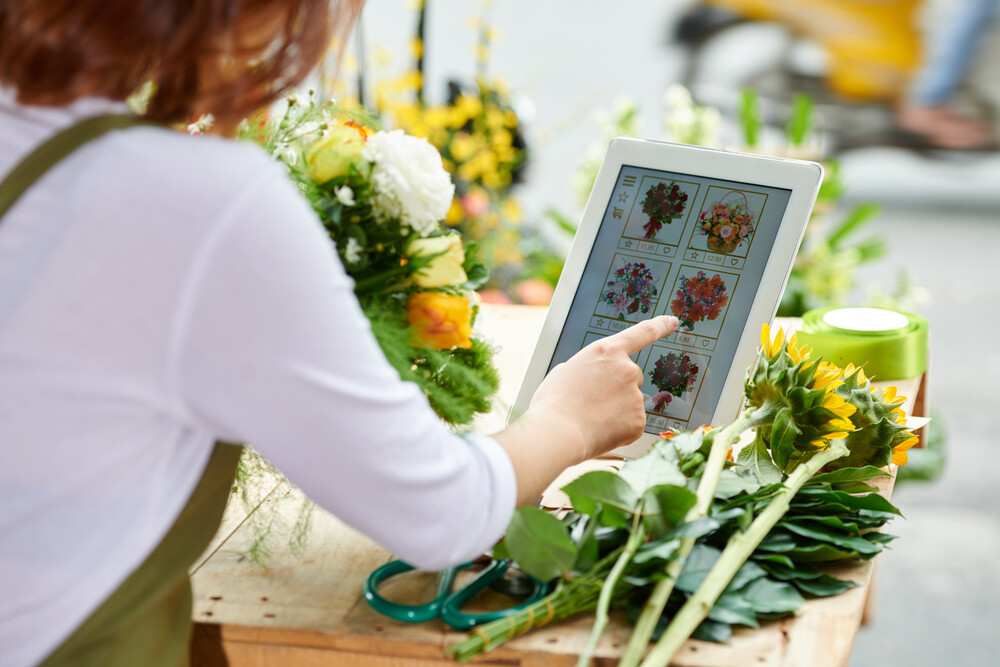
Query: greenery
point(688, 542)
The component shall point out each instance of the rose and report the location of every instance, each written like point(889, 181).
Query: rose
point(410, 181)
point(332, 156)
point(439, 321)
point(447, 259)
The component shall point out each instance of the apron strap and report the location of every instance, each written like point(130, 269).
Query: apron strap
point(54, 149)
point(147, 621)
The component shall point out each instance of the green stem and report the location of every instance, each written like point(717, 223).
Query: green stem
point(635, 538)
point(644, 627)
point(564, 602)
point(737, 551)
point(570, 597)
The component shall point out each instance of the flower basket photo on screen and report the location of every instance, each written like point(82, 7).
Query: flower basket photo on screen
point(673, 374)
point(663, 204)
point(699, 298)
point(631, 290)
point(727, 223)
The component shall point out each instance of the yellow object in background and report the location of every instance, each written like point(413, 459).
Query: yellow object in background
point(873, 46)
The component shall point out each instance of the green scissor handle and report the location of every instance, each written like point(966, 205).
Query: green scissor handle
point(452, 614)
point(403, 612)
point(446, 604)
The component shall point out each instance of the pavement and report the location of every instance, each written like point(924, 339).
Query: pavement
point(937, 588)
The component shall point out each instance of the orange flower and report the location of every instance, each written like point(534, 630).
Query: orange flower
point(363, 130)
point(440, 321)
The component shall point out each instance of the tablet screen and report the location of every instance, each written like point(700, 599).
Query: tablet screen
point(676, 244)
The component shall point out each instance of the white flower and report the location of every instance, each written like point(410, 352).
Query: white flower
point(352, 253)
point(202, 125)
point(410, 182)
point(345, 196)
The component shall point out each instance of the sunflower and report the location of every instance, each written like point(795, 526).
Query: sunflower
point(801, 394)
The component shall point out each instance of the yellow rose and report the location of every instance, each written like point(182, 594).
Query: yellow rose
point(446, 268)
point(440, 321)
point(335, 152)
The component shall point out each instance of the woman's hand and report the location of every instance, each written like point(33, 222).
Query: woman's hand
point(584, 407)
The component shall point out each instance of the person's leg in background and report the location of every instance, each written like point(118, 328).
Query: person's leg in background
point(929, 109)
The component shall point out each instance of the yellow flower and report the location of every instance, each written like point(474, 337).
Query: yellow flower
point(899, 455)
point(840, 407)
point(335, 152)
point(828, 376)
point(446, 267)
point(770, 347)
point(440, 321)
point(456, 213)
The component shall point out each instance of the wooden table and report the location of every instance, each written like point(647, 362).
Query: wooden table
point(306, 610)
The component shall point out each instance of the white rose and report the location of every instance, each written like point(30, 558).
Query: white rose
point(410, 182)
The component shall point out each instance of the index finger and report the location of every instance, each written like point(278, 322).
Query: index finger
point(644, 333)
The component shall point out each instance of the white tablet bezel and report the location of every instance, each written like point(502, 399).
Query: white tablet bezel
point(800, 177)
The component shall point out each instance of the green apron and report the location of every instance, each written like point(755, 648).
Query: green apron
point(147, 621)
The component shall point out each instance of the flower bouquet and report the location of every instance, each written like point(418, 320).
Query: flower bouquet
point(630, 290)
point(381, 197)
point(673, 376)
point(699, 298)
point(663, 205)
point(726, 224)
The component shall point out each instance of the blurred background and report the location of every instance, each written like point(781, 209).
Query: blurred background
point(522, 96)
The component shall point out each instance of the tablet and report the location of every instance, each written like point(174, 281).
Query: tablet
point(706, 235)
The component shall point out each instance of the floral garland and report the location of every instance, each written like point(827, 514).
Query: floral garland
point(699, 298)
point(631, 290)
point(673, 376)
point(726, 224)
point(663, 206)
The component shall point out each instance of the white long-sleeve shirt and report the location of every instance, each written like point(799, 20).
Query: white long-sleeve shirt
point(158, 292)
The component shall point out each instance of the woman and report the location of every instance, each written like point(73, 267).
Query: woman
point(159, 293)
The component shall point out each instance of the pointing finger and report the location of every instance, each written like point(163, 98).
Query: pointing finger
point(644, 333)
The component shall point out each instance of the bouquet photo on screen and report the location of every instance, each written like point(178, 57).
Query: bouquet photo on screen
point(699, 298)
point(631, 290)
point(663, 204)
point(673, 374)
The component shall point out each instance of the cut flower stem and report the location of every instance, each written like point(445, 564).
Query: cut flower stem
point(737, 551)
point(635, 538)
point(723, 440)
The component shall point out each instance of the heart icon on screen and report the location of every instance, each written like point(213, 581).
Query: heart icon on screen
point(677, 425)
point(734, 261)
point(705, 342)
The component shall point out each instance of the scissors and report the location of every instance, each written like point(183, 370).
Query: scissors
point(448, 604)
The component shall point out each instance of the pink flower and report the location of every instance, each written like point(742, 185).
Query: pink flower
point(726, 231)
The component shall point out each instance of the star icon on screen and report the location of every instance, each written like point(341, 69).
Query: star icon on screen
point(623, 197)
point(628, 243)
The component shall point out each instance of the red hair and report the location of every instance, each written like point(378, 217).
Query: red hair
point(228, 57)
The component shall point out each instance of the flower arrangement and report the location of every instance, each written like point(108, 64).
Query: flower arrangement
point(749, 543)
point(673, 375)
point(382, 197)
point(631, 290)
point(663, 205)
point(481, 138)
point(726, 224)
point(698, 298)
